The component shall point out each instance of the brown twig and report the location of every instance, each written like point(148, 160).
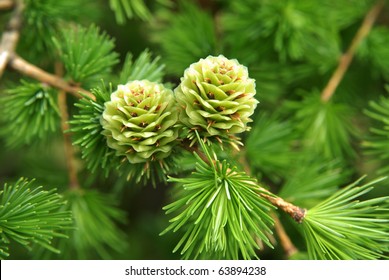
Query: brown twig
point(297, 213)
point(69, 150)
point(347, 57)
point(10, 36)
point(6, 4)
point(285, 241)
point(30, 70)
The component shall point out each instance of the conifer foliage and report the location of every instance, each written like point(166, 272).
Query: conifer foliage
point(194, 129)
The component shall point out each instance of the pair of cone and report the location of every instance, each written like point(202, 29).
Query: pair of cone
point(215, 98)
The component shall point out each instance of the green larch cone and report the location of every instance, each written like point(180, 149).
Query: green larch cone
point(217, 99)
point(139, 121)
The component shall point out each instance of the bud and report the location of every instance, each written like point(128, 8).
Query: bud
point(139, 121)
point(217, 98)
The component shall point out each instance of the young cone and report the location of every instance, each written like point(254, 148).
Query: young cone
point(217, 98)
point(139, 121)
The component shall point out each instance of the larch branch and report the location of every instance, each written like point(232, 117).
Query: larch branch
point(10, 36)
point(6, 4)
point(297, 213)
point(30, 70)
point(348, 56)
point(285, 241)
point(68, 147)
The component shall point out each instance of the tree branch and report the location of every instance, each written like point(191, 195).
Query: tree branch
point(297, 213)
point(6, 4)
point(30, 70)
point(69, 150)
point(347, 57)
point(10, 36)
point(285, 241)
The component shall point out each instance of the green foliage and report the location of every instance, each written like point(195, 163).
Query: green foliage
point(185, 37)
point(149, 173)
point(30, 215)
point(127, 9)
point(343, 13)
point(95, 218)
point(342, 227)
point(87, 131)
point(312, 180)
point(86, 53)
point(374, 49)
point(96, 233)
point(143, 68)
point(326, 127)
point(269, 147)
point(220, 212)
point(29, 114)
point(294, 34)
point(43, 19)
point(377, 144)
